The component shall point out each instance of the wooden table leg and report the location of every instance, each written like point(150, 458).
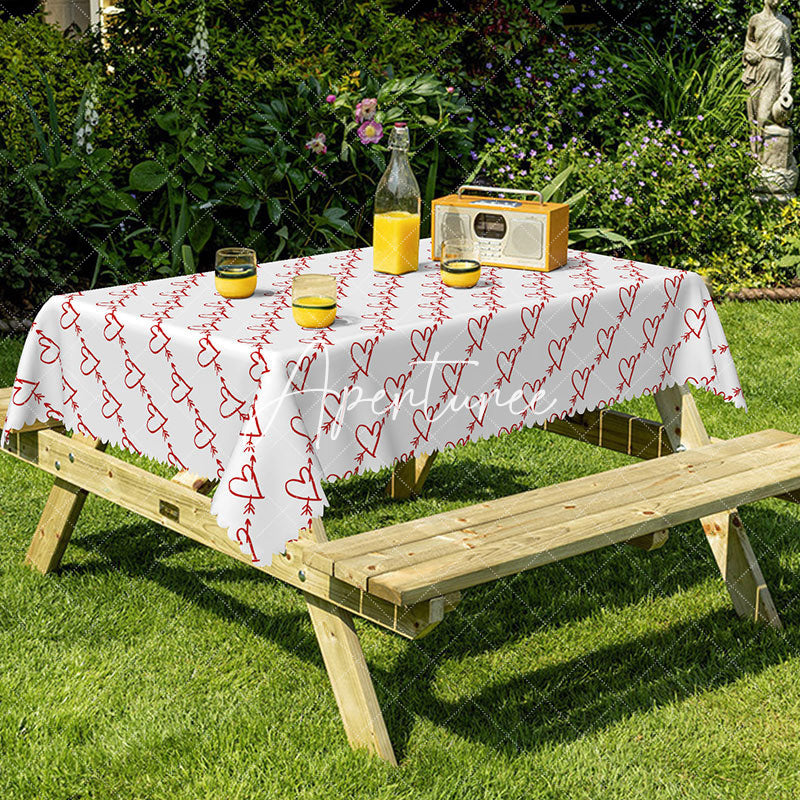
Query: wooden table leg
point(725, 533)
point(408, 478)
point(348, 671)
point(61, 512)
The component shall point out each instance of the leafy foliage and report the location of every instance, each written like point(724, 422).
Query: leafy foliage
point(663, 196)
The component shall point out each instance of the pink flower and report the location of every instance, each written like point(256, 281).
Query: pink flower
point(331, 98)
point(317, 144)
point(450, 89)
point(370, 132)
point(366, 109)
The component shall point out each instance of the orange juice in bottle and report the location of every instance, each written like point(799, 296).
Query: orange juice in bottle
point(395, 233)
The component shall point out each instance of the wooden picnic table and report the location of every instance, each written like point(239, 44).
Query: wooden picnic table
point(238, 400)
point(406, 577)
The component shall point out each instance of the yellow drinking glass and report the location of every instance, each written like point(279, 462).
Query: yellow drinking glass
point(235, 272)
point(461, 266)
point(314, 300)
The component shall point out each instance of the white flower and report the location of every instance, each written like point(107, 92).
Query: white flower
point(198, 51)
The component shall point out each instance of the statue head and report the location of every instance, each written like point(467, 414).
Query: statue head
point(772, 5)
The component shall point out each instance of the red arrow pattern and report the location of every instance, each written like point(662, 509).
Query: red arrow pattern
point(236, 390)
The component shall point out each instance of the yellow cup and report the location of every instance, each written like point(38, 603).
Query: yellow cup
point(235, 272)
point(460, 273)
point(235, 282)
point(314, 300)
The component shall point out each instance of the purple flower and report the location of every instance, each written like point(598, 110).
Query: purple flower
point(654, 173)
point(488, 65)
point(490, 140)
point(523, 172)
point(317, 144)
point(450, 89)
point(366, 109)
point(506, 128)
point(628, 201)
point(473, 155)
point(502, 148)
point(331, 98)
point(700, 117)
point(370, 132)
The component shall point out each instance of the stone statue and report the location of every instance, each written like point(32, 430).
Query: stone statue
point(767, 75)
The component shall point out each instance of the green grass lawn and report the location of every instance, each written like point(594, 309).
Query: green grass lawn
point(150, 667)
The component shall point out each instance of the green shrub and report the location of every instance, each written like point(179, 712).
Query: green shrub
point(680, 201)
point(26, 46)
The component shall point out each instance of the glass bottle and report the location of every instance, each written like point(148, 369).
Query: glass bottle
point(395, 233)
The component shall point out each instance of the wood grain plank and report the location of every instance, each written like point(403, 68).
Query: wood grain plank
point(618, 488)
point(522, 548)
point(189, 512)
point(404, 534)
point(724, 532)
point(348, 671)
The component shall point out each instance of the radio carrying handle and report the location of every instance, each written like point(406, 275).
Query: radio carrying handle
point(498, 189)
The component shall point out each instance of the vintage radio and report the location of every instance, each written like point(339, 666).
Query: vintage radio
point(523, 234)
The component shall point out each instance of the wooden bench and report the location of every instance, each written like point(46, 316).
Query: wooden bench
point(406, 577)
point(415, 561)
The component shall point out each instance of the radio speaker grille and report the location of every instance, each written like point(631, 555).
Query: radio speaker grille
point(526, 238)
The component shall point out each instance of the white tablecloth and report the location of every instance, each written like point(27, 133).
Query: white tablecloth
point(235, 390)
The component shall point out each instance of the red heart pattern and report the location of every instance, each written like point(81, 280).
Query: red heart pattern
point(133, 375)
point(304, 487)
point(113, 326)
point(180, 389)
point(155, 420)
point(530, 318)
point(368, 437)
point(51, 352)
point(90, 361)
point(605, 338)
point(111, 405)
point(230, 404)
point(420, 341)
point(173, 371)
point(695, 320)
point(476, 328)
point(245, 484)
